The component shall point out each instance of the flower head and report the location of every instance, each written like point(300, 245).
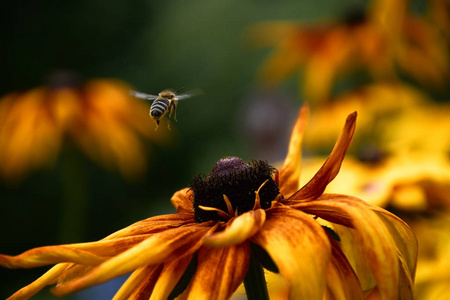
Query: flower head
point(238, 216)
point(99, 117)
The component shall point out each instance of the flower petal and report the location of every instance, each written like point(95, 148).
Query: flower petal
point(220, 271)
point(316, 186)
point(169, 277)
point(403, 237)
point(133, 288)
point(299, 247)
point(72, 271)
point(342, 283)
point(378, 244)
point(183, 201)
point(354, 252)
point(49, 255)
point(154, 224)
point(47, 278)
point(290, 172)
point(238, 230)
point(158, 248)
point(83, 253)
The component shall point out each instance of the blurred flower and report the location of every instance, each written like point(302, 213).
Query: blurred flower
point(402, 147)
point(322, 52)
point(380, 40)
point(439, 13)
point(377, 103)
point(237, 219)
point(99, 116)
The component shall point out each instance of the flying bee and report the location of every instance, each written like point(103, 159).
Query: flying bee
point(165, 103)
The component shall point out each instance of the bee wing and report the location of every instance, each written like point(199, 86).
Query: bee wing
point(191, 93)
point(143, 95)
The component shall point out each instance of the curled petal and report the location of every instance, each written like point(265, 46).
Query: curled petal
point(316, 186)
point(48, 278)
point(240, 229)
point(299, 247)
point(290, 172)
point(378, 244)
point(403, 236)
point(183, 201)
point(140, 283)
point(354, 252)
point(220, 271)
point(158, 248)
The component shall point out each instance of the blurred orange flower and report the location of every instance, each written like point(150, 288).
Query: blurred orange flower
point(99, 116)
point(243, 217)
point(378, 41)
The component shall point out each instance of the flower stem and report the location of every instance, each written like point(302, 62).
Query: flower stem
point(74, 198)
point(255, 282)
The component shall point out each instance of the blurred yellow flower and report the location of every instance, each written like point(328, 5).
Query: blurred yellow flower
point(234, 221)
point(99, 116)
point(401, 147)
point(379, 41)
point(378, 104)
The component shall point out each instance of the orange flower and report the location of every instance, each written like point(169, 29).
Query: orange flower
point(235, 220)
point(322, 52)
point(99, 116)
point(380, 41)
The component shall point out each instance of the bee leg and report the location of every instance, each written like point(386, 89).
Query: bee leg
point(157, 124)
point(175, 114)
point(168, 121)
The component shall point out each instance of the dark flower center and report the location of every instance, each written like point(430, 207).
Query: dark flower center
point(238, 181)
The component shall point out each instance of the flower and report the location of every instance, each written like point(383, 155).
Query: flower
point(401, 150)
point(235, 219)
point(383, 41)
point(99, 116)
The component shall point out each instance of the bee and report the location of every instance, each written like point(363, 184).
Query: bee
point(165, 103)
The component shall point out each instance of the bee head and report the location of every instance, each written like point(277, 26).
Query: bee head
point(168, 94)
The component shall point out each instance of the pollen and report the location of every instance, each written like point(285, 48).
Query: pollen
point(237, 182)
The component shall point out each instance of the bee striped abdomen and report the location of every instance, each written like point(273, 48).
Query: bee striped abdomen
point(158, 108)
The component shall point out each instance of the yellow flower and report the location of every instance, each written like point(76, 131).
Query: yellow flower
point(376, 103)
point(99, 116)
point(401, 151)
point(239, 216)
